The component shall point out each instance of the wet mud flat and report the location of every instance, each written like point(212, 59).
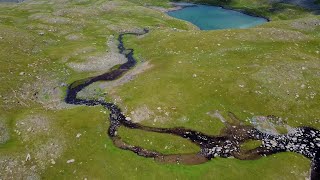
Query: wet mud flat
point(302, 140)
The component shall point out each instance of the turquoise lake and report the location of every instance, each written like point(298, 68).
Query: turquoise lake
point(212, 17)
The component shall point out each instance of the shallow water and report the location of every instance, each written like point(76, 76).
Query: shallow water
point(212, 17)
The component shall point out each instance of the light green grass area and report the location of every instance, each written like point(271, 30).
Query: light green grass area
point(272, 69)
point(228, 71)
point(249, 145)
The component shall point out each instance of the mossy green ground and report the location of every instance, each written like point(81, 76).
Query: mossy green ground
point(273, 69)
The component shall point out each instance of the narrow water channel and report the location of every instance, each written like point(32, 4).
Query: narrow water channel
point(304, 140)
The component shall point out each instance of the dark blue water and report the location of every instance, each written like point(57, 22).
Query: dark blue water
point(212, 17)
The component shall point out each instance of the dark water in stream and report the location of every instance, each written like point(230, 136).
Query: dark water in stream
point(304, 140)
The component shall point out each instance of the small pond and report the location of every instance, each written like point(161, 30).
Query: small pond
point(213, 17)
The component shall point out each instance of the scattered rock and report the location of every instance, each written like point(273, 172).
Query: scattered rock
point(22, 73)
point(128, 118)
point(78, 135)
point(74, 37)
point(52, 161)
point(32, 126)
point(142, 113)
point(70, 161)
point(11, 167)
point(28, 158)
point(4, 133)
point(52, 149)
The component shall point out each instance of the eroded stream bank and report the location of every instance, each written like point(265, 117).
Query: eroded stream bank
point(303, 140)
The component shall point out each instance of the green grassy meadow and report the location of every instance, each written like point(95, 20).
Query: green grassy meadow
point(272, 69)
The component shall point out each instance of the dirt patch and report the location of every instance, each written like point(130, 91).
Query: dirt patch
point(33, 126)
point(4, 131)
point(141, 113)
point(48, 152)
point(291, 79)
point(164, 10)
point(102, 62)
point(99, 63)
point(42, 145)
point(306, 24)
point(49, 19)
point(272, 34)
point(78, 52)
point(15, 167)
point(270, 124)
point(140, 68)
point(74, 37)
point(92, 92)
point(45, 89)
point(100, 89)
point(109, 6)
point(217, 114)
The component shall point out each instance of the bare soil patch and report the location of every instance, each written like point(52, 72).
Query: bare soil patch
point(306, 24)
point(4, 131)
point(140, 68)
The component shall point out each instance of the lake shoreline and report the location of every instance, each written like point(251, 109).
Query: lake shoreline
point(210, 17)
point(181, 5)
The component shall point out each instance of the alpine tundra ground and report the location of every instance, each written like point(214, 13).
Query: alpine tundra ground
point(185, 77)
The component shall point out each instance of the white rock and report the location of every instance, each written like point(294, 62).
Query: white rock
point(194, 75)
point(128, 118)
point(28, 158)
point(78, 135)
point(21, 73)
point(52, 161)
point(70, 161)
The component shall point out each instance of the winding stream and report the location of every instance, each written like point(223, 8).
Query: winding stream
point(303, 140)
